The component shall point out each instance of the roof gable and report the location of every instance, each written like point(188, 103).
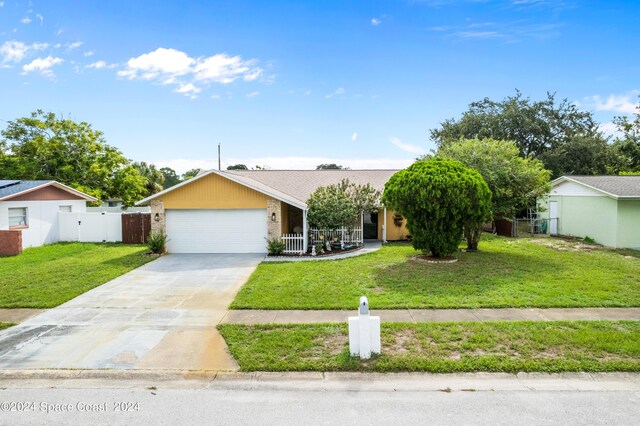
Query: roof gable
point(291, 186)
point(12, 189)
point(612, 186)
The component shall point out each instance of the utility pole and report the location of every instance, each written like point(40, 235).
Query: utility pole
point(219, 168)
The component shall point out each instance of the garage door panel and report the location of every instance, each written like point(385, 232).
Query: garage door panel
point(216, 231)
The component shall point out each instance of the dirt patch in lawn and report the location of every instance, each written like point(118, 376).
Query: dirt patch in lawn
point(562, 244)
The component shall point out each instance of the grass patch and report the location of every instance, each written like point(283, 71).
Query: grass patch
point(47, 276)
point(559, 346)
point(542, 272)
point(5, 325)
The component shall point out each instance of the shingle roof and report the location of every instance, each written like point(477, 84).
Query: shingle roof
point(300, 184)
point(618, 186)
point(12, 187)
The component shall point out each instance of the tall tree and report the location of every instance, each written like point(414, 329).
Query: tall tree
point(238, 167)
point(171, 178)
point(627, 145)
point(538, 128)
point(190, 174)
point(154, 179)
point(331, 166)
point(515, 182)
point(44, 146)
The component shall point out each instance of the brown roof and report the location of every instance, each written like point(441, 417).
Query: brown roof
point(300, 184)
point(618, 186)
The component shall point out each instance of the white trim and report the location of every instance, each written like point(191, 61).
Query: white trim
point(52, 183)
point(305, 231)
point(287, 200)
point(384, 226)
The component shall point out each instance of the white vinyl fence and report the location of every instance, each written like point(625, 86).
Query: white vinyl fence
point(119, 209)
point(293, 243)
point(90, 227)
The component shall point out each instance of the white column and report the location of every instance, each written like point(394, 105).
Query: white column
point(362, 228)
point(305, 231)
point(384, 226)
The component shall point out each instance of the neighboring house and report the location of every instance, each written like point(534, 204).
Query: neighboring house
point(32, 206)
point(605, 208)
point(234, 211)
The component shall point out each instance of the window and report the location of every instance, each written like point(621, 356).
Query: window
point(66, 209)
point(18, 217)
point(113, 204)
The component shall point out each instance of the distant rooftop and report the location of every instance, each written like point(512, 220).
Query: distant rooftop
point(12, 187)
point(620, 186)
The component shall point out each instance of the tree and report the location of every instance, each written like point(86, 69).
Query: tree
point(171, 178)
point(339, 205)
point(238, 167)
point(515, 182)
point(44, 146)
point(627, 146)
point(582, 155)
point(536, 127)
point(331, 166)
point(439, 197)
point(190, 173)
point(154, 178)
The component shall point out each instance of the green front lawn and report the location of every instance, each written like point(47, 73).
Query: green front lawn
point(545, 272)
point(5, 325)
point(47, 276)
point(442, 347)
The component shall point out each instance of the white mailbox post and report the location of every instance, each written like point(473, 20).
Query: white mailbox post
point(364, 332)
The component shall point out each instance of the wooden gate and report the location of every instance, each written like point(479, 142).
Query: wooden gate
point(135, 227)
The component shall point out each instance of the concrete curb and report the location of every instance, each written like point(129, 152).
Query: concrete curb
point(209, 379)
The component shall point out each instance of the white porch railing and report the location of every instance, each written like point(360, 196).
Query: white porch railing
point(293, 243)
point(341, 233)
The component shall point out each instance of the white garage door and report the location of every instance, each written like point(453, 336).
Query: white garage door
point(217, 231)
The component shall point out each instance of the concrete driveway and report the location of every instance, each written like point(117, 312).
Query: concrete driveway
point(162, 315)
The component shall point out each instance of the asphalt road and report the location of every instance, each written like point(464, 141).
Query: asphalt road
point(310, 407)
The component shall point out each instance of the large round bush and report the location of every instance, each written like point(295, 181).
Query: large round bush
point(439, 197)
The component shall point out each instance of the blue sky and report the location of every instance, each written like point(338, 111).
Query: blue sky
point(294, 84)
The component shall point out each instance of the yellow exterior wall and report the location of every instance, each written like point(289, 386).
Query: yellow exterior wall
point(284, 221)
point(394, 233)
point(214, 192)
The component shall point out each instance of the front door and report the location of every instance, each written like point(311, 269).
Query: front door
point(553, 217)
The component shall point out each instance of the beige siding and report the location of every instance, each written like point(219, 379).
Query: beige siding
point(214, 192)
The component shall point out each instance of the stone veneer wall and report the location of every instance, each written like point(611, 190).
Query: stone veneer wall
point(157, 226)
point(273, 226)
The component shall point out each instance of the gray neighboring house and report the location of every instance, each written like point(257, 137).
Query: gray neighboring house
point(605, 208)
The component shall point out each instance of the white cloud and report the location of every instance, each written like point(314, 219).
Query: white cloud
point(40, 18)
point(354, 136)
point(15, 51)
point(171, 66)
point(42, 65)
point(338, 91)
point(74, 45)
point(225, 69)
point(216, 97)
point(88, 53)
point(609, 129)
point(375, 22)
point(26, 20)
point(188, 89)
point(1, 4)
point(412, 149)
point(624, 103)
point(98, 65)
point(252, 94)
point(181, 165)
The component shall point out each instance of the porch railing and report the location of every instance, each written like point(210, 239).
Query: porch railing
point(319, 235)
point(294, 243)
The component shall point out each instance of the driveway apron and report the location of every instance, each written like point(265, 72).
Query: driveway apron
point(162, 315)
